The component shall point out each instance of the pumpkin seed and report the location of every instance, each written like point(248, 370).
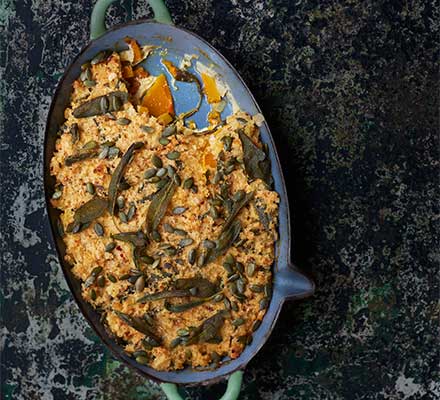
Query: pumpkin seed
point(103, 104)
point(154, 179)
point(250, 269)
point(188, 183)
point(120, 201)
point(218, 297)
point(123, 121)
point(213, 212)
point(177, 179)
point(89, 83)
point(179, 210)
point(163, 141)
point(180, 232)
point(264, 302)
point(256, 288)
point(171, 171)
point(162, 183)
point(228, 268)
point(124, 277)
point(111, 278)
point(76, 227)
point(57, 194)
point(229, 169)
point(123, 217)
point(156, 161)
point(217, 178)
point(227, 143)
point(104, 152)
point(238, 322)
point(168, 228)
point(192, 256)
point(90, 188)
point(161, 172)
point(99, 230)
point(123, 185)
point(227, 303)
point(140, 353)
point(74, 132)
point(201, 259)
point(140, 284)
point(175, 342)
point(149, 173)
point(256, 325)
point(169, 130)
point(186, 242)
point(131, 212)
point(240, 286)
point(183, 332)
point(110, 247)
point(155, 235)
point(238, 196)
point(208, 244)
point(142, 360)
point(113, 152)
point(60, 227)
point(171, 251)
point(101, 56)
point(173, 155)
point(93, 295)
point(100, 281)
point(240, 267)
point(229, 259)
point(91, 144)
point(147, 129)
point(92, 277)
point(268, 290)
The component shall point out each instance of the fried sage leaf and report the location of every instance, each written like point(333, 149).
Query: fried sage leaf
point(140, 324)
point(101, 105)
point(236, 208)
point(197, 287)
point(256, 163)
point(91, 150)
point(204, 287)
point(165, 294)
point(158, 207)
point(137, 239)
point(209, 330)
point(85, 214)
point(263, 216)
point(224, 241)
point(118, 174)
point(178, 308)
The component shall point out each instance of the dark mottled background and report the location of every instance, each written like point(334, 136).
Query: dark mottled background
point(350, 90)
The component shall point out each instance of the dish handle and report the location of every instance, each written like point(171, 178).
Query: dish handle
point(97, 21)
point(232, 390)
point(293, 284)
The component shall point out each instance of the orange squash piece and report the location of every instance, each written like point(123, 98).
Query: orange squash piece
point(170, 67)
point(158, 98)
point(210, 89)
point(137, 52)
point(209, 160)
point(140, 72)
point(127, 72)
